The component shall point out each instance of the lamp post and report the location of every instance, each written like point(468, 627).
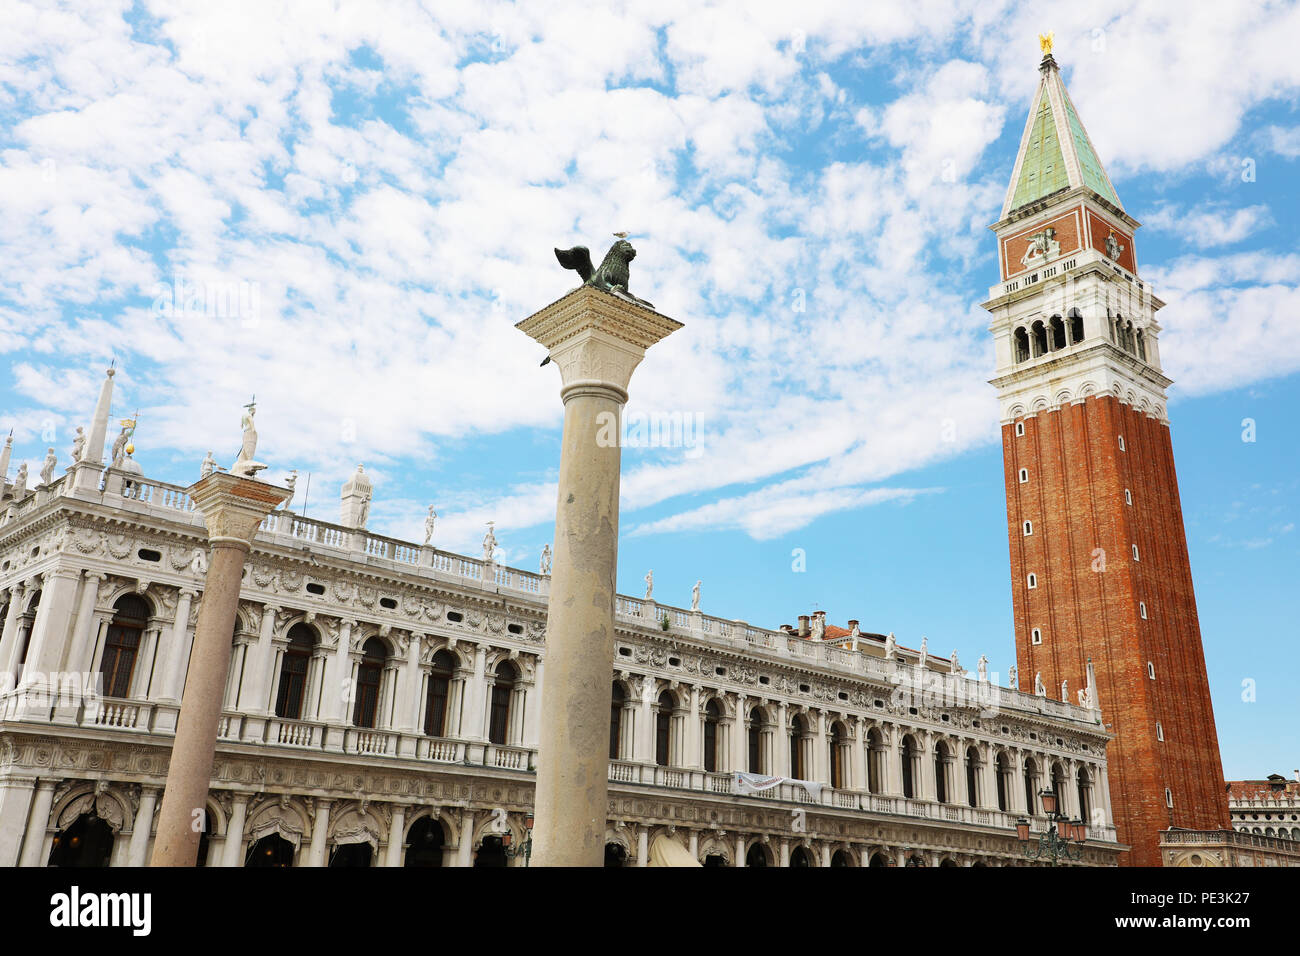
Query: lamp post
point(526, 849)
point(1063, 839)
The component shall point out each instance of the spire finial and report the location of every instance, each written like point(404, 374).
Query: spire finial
point(1045, 42)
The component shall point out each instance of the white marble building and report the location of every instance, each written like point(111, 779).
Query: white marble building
point(382, 707)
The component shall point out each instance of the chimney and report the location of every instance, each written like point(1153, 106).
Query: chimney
point(804, 630)
point(787, 628)
point(853, 624)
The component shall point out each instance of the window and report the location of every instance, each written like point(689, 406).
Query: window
point(712, 717)
point(1151, 670)
point(1169, 798)
point(1020, 429)
point(909, 757)
point(293, 672)
point(1037, 636)
point(1142, 609)
point(755, 741)
point(369, 675)
point(120, 646)
point(503, 688)
point(1135, 553)
point(838, 746)
point(438, 693)
point(1160, 731)
point(1024, 475)
point(1029, 528)
point(1121, 443)
point(796, 748)
point(1033, 581)
point(1128, 497)
point(663, 729)
point(615, 719)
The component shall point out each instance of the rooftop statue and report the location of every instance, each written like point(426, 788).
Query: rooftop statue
point(612, 276)
point(245, 466)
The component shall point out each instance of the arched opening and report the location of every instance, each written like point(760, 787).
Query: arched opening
point(972, 776)
point(1076, 326)
point(618, 698)
point(712, 717)
point(878, 859)
point(503, 689)
point(86, 842)
point(840, 858)
point(664, 730)
point(491, 852)
point(800, 857)
point(425, 843)
point(615, 855)
point(1022, 344)
point(756, 729)
point(437, 694)
point(1141, 345)
point(1059, 786)
point(915, 860)
point(715, 859)
point(352, 855)
point(1038, 337)
point(1085, 795)
point(947, 861)
point(1004, 780)
point(1058, 333)
point(271, 850)
point(370, 675)
point(797, 733)
point(293, 672)
point(1031, 786)
point(942, 761)
point(837, 755)
point(756, 855)
point(25, 625)
point(122, 643)
point(909, 758)
point(875, 760)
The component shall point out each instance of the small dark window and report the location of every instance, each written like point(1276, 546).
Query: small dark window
point(390, 603)
point(455, 617)
point(804, 688)
point(149, 554)
point(943, 717)
point(674, 662)
point(765, 680)
point(843, 696)
point(720, 671)
point(625, 652)
point(314, 588)
point(515, 628)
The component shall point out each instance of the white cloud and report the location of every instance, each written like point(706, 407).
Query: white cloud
point(1208, 224)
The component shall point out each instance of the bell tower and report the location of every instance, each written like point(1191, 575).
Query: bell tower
point(1099, 561)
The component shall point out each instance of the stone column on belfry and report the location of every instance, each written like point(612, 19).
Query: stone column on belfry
point(597, 339)
point(233, 507)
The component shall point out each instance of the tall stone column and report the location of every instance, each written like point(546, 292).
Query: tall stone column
point(319, 833)
point(597, 339)
point(232, 508)
point(235, 830)
point(38, 823)
point(178, 648)
point(142, 826)
point(396, 836)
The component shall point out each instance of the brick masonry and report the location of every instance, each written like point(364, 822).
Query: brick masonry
point(1087, 604)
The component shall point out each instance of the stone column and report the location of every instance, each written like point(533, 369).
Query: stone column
point(476, 697)
point(408, 686)
point(337, 669)
point(596, 339)
point(49, 632)
point(232, 507)
point(465, 849)
point(19, 594)
point(319, 833)
point(645, 748)
point(781, 756)
point(178, 646)
point(643, 846)
point(235, 831)
point(142, 826)
point(530, 716)
point(740, 849)
point(856, 779)
point(739, 757)
point(255, 692)
point(396, 836)
point(37, 823)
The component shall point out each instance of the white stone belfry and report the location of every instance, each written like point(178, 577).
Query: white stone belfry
point(356, 499)
point(597, 340)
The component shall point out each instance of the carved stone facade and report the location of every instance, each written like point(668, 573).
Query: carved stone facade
point(345, 641)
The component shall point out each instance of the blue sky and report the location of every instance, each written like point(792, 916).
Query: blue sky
point(380, 192)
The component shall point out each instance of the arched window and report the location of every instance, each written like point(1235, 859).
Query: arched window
point(837, 756)
point(1004, 779)
point(800, 857)
point(293, 672)
point(1076, 326)
point(1128, 497)
point(664, 730)
point(1032, 581)
point(87, 842)
point(840, 858)
point(437, 696)
point(712, 715)
point(1141, 345)
point(272, 850)
point(616, 701)
point(1038, 334)
point(1028, 528)
point(972, 776)
point(756, 856)
point(756, 764)
point(909, 757)
point(424, 846)
point(350, 855)
point(1058, 333)
point(1022, 344)
point(1024, 476)
point(369, 676)
point(503, 688)
point(1031, 786)
point(875, 755)
point(1020, 429)
point(1151, 670)
point(941, 763)
point(615, 855)
point(796, 747)
point(122, 644)
point(491, 852)
point(1036, 636)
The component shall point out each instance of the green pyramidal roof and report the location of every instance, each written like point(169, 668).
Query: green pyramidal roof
point(1055, 151)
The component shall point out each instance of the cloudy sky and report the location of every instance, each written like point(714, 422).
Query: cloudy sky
point(374, 192)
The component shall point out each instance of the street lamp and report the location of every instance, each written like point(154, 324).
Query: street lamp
point(527, 848)
point(1062, 839)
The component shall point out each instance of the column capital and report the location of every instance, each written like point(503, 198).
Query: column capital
point(92, 575)
point(596, 338)
point(233, 507)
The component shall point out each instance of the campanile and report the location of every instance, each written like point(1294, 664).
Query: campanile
point(1099, 560)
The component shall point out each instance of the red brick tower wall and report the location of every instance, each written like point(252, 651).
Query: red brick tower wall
point(1081, 524)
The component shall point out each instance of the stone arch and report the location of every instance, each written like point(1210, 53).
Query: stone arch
point(713, 845)
point(281, 815)
point(461, 659)
point(1087, 388)
point(281, 633)
point(620, 838)
point(437, 815)
point(1016, 411)
point(217, 819)
point(104, 801)
point(244, 623)
point(353, 824)
point(1063, 397)
point(760, 845)
point(1039, 405)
